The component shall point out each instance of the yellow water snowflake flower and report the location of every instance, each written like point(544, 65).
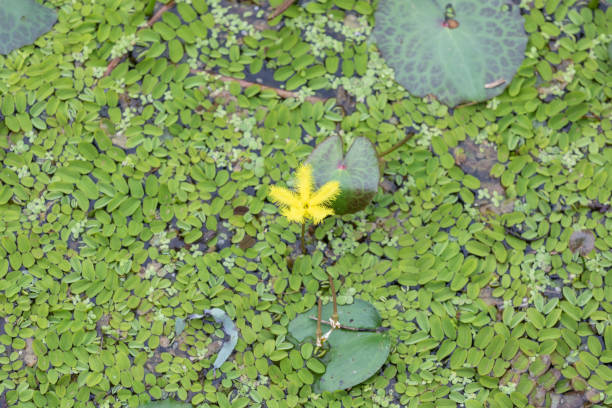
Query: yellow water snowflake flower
point(304, 204)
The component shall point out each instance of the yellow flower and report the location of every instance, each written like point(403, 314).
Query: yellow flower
point(305, 203)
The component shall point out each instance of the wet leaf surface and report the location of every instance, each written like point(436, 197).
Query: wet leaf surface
point(357, 172)
point(582, 242)
point(354, 356)
point(22, 22)
point(453, 55)
point(133, 194)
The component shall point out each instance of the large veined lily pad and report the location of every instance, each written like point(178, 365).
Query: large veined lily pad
point(459, 51)
point(22, 22)
point(354, 356)
point(357, 172)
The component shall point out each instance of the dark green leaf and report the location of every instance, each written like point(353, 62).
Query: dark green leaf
point(357, 172)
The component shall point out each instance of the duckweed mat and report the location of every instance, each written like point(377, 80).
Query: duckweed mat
point(138, 141)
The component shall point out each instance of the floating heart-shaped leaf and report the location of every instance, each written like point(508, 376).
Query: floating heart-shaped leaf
point(358, 172)
point(354, 356)
point(463, 50)
point(22, 22)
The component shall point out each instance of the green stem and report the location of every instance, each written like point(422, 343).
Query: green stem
point(396, 146)
point(333, 291)
point(303, 233)
point(319, 332)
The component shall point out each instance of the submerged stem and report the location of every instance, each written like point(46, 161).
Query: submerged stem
point(319, 332)
point(396, 146)
point(281, 9)
point(341, 326)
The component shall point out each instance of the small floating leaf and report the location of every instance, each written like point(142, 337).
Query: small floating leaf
point(179, 326)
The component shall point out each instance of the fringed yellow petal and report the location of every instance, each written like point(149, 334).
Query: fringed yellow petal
point(304, 182)
point(304, 204)
point(325, 194)
point(296, 214)
point(283, 196)
point(318, 213)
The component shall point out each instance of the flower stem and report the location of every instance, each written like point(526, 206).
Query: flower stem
point(396, 146)
point(335, 319)
point(319, 332)
point(303, 233)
